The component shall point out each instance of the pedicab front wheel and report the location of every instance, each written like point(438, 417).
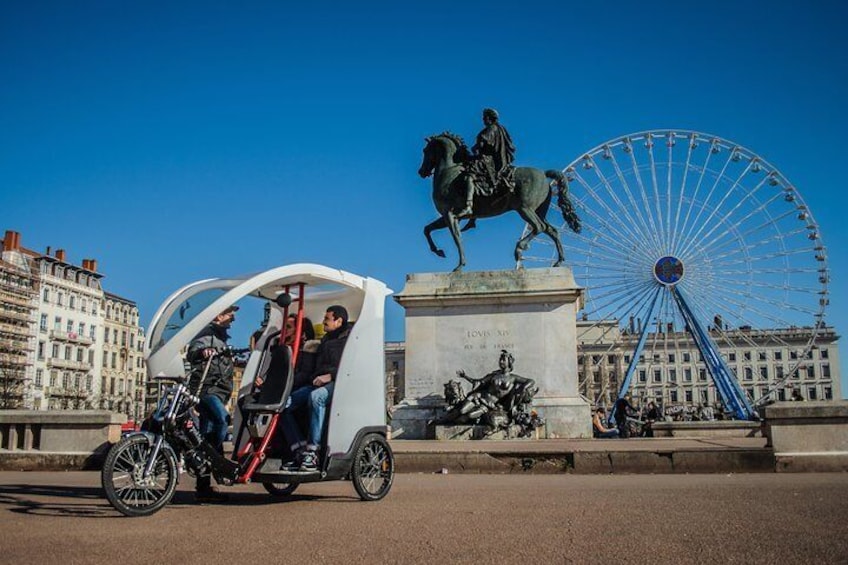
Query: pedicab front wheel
point(280, 489)
point(127, 488)
point(373, 468)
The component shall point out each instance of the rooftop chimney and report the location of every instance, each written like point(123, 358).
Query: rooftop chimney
point(11, 241)
point(92, 265)
point(47, 252)
point(60, 255)
point(85, 264)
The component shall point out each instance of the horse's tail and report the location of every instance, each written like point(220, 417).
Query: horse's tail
point(563, 201)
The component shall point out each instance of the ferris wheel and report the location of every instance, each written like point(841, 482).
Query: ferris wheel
point(688, 234)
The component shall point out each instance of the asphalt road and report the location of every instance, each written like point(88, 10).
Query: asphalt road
point(754, 518)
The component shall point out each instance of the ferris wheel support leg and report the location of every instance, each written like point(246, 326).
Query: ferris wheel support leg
point(731, 393)
point(640, 345)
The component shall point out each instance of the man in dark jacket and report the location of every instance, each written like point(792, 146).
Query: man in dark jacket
point(215, 390)
point(320, 391)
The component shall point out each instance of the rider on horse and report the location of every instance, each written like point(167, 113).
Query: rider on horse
point(490, 168)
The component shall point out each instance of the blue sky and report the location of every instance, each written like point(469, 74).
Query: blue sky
point(179, 141)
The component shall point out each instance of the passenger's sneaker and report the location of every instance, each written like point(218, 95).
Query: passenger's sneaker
point(309, 460)
point(210, 495)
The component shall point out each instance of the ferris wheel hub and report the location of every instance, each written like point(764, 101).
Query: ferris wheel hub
point(668, 270)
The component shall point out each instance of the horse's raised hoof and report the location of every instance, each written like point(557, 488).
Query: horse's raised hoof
point(440, 253)
point(558, 263)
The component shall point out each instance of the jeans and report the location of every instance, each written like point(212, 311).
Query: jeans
point(213, 426)
point(317, 399)
point(213, 420)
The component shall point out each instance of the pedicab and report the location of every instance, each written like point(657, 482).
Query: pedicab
point(141, 472)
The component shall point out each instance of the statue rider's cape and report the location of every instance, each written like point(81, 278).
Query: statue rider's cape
point(492, 169)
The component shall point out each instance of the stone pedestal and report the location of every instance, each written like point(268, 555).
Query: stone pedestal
point(463, 320)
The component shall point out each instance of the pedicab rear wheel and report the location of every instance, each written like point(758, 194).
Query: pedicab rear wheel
point(280, 489)
point(373, 468)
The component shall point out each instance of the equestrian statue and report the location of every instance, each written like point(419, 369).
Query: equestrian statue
point(482, 183)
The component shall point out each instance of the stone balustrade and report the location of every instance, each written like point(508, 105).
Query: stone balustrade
point(808, 436)
point(68, 438)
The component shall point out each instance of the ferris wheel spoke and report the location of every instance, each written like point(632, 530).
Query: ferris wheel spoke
point(682, 192)
point(649, 144)
point(633, 308)
point(607, 224)
point(651, 233)
point(778, 238)
point(613, 302)
point(751, 298)
point(766, 257)
point(714, 209)
point(715, 148)
point(623, 211)
point(646, 206)
point(724, 221)
point(686, 228)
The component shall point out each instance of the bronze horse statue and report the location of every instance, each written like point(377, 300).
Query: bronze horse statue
point(444, 158)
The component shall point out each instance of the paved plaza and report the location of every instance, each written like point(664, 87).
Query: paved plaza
point(62, 517)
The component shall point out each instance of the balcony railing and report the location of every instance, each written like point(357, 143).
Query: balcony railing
point(69, 364)
point(72, 337)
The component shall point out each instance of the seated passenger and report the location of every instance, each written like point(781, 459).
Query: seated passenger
point(319, 390)
point(306, 357)
point(598, 428)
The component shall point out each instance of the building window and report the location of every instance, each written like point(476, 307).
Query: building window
point(672, 375)
point(79, 354)
point(57, 323)
point(124, 338)
point(747, 355)
point(81, 329)
point(132, 343)
point(67, 353)
point(764, 373)
point(60, 298)
point(55, 351)
point(686, 357)
point(91, 357)
point(781, 395)
point(41, 346)
point(687, 375)
point(749, 374)
point(627, 359)
point(823, 354)
point(779, 371)
point(72, 302)
point(114, 335)
point(42, 325)
point(642, 376)
point(672, 396)
point(92, 332)
point(703, 396)
point(46, 296)
point(778, 356)
point(687, 394)
point(702, 375)
point(793, 354)
point(39, 376)
point(761, 355)
point(54, 375)
point(826, 370)
point(105, 358)
point(811, 371)
point(114, 360)
point(811, 393)
point(671, 357)
point(731, 357)
point(828, 393)
point(88, 382)
point(69, 327)
point(83, 305)
point(657, 375)
point(66, 380)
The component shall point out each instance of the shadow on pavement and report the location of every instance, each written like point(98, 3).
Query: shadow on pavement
point(17, 499)
point(93, 504)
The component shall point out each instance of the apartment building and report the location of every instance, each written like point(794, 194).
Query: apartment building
point(121, 364)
